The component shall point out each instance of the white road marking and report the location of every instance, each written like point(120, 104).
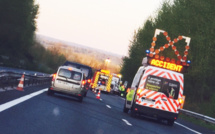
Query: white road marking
point(108, 106)
point(187, 128)
point(20, 100)
point(122, 98)
point(129, 124)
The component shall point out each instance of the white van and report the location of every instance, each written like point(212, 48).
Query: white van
point(70, 81)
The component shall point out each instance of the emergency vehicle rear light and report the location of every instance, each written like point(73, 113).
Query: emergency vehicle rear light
point(138, 91)
point(119, 75)
point(188, 62)
point(180, 100)
point(147, 51)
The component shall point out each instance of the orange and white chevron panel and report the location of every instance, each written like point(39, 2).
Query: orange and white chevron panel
point(156, 99)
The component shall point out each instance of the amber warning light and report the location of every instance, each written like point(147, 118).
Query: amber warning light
point(166, 65)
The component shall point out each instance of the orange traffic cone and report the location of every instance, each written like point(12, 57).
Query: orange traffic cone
point(98, 95)
point(21, 84)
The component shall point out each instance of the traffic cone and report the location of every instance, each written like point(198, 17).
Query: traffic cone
point(98, 95)
point(21, 84)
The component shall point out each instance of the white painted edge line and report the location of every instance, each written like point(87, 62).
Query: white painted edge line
point(129, 124)
point(108, 106)
point(187, 128)
point(12, 103)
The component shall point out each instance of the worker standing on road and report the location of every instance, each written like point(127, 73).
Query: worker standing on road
point(122, 90)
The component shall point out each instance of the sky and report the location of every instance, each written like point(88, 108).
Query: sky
point(104, 24)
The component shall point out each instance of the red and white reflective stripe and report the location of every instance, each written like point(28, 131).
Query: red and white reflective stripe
point(165, 74)
point(168, 105)
point(161, 101)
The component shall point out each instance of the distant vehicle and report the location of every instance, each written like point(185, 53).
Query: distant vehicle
point(84, 68)
point(70, 81)
point(115, 83)
point(102, 80)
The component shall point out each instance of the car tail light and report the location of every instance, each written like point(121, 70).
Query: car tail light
point(54, 76)
point(83, 82)
point(89, 80)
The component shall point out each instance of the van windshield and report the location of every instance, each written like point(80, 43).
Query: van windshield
point(70, 74)
point(169, 87)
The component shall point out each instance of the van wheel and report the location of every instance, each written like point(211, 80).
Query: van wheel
point(50, 92)
point(170, 122)
point(133, 113)
point(80, 99)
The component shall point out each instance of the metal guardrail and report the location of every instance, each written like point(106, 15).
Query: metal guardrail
point(11, 79)
point(199, 116)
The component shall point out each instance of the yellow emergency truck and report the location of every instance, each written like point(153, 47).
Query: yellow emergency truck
point(102, 80)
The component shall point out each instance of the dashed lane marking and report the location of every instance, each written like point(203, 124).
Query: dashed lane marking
point(20, 100)
point(108, 106)
point(129, 124)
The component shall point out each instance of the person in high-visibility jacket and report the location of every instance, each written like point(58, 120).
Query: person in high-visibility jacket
point(122, 90)
point(130, 94)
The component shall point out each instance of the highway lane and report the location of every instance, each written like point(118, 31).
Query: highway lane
point(60, 114)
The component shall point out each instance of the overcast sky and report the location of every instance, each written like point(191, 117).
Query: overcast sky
point(102, 24)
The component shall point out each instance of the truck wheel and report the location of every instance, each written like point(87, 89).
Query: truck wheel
point(133, 113)
point(125, 110)
point(170, 122)
point(80, 99)
point(50, 92)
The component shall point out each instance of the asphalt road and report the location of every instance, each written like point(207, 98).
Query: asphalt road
point(33, 112)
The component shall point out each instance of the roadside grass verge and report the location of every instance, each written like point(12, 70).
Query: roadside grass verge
point(197, 121)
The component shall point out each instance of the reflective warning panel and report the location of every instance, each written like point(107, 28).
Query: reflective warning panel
point(166, 65)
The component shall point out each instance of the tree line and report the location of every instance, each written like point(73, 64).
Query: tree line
point(17, 38)
point(192, 18)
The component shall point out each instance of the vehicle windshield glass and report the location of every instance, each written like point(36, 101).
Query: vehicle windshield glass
point(169, 87)
point(85, 71)
point(115, 80)
point(103, 79)
point(70, 74)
